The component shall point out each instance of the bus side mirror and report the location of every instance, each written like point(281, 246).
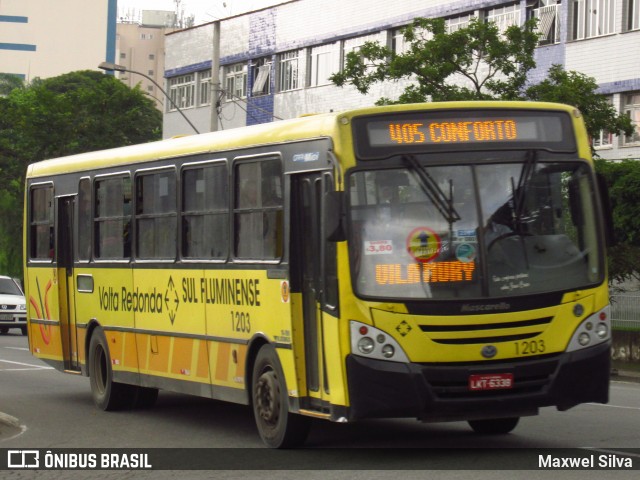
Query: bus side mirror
point(607, 212)
point(334, 215)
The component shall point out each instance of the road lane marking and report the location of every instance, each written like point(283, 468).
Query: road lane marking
point(613, 406)
point(30, 365)
point(24, 349)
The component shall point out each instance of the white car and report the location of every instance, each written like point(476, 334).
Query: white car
point(13, 309)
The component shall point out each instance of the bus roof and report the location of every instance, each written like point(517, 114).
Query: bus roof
point(307, 127)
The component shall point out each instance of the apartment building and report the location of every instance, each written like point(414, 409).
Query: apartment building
point(140, 48)
point(275, 62)
point(45, 39)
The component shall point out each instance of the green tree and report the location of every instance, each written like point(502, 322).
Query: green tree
point(580, 91)
point(473, 63)
point(9, 82)
point(72, 113)
point(623, 181)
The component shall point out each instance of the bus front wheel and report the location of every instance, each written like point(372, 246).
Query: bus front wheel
point(107, 394)
point(494, 426)
point(277, 427)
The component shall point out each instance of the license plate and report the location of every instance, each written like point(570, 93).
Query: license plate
point(491, 381)
point(6, 317)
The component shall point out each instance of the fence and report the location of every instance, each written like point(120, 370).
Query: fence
point(625, 312)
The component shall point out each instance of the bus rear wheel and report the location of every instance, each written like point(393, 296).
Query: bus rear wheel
point(107, 394)
point(494, 426)
point(277, 427)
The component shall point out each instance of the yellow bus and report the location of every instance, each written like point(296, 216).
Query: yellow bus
point(441, 261)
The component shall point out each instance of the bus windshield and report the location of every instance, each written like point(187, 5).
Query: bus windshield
point(473, 231)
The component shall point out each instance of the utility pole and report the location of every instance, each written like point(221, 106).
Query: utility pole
point(215, 76)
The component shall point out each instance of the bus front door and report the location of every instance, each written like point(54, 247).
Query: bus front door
point(308, 274)
point(66, 290)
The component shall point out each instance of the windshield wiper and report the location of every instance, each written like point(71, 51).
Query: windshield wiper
point(519, 191)
point(433, 191)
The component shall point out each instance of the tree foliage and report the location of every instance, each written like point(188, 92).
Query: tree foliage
point(473, 63)
point(623, 182)
point(580, 91)
point(72, 113)
point(477, 62)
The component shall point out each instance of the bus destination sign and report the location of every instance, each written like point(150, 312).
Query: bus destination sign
point(384, 135)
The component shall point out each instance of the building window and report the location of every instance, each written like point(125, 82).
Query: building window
point(633, 14)
point(288, 70)
point(323, 61)
point(456, 23)
point(504, 17)
point(236, 81)
point(156, 215)
point(41, 223)
point(398, 44)
point(592, 18)
point(355, 44)
point(632, 109)
point(205, 212)
point(123, 55)
point(261, 70)
point(547, 12)
point(150, 73)
point(258, 210)
point(152, 56)
point(604, 138)
point(204, 87)
point(182, 90)
point(112, 218)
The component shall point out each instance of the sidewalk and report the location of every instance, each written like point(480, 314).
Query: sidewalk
point(621, 375)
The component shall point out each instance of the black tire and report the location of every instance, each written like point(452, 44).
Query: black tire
point(24, 330)
point(4, 330)
point(107, 394)
point(494, 426)
point(277, 427)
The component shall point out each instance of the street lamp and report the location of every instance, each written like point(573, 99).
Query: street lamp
point(119, 68)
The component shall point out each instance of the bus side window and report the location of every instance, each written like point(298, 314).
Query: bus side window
point(258, 210)
point(112, 218)
point(156, 215)
point(41, 223)
point(205, 212)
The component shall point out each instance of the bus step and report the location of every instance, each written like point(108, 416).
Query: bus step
point(312, 413)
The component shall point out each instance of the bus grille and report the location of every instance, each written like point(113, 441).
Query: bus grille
point(469, 333)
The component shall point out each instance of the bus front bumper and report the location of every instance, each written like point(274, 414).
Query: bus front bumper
point(438, 392)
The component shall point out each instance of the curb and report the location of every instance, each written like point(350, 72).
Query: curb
point(625, 375)
point(9, 426)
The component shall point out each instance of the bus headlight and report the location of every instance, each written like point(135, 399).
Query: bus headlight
point(366, 345)
point(594, 330)
point(584, 339)
point(388, 351)
point(384, 347)
point(602, 330)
